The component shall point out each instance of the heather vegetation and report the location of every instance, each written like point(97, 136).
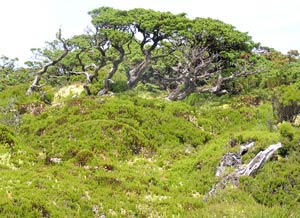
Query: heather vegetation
point(108, 124)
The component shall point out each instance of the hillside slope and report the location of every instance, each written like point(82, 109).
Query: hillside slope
point(127, 156)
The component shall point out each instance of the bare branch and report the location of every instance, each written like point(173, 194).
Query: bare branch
point(38, 74)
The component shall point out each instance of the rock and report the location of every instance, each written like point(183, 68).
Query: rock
point(55, 160)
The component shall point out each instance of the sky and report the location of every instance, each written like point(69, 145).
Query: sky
point(27, 24)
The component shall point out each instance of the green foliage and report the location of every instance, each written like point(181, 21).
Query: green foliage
point(286, 102)
point(119, 86)
point(135, 154)
point(14, 77)
point(289, 137)
point(286, 130)
point(100, 143)
point(277, 184)
point(221, 38)
point(7, 138)
point(107, 15)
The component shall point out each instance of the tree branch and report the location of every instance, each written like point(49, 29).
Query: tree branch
point(113, 69)
point(38, 75)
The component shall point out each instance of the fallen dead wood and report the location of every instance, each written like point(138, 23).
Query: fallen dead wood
point(250, 169)
point(233, 159)
point(258, 161)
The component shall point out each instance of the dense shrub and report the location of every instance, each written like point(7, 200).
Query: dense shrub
point(286, 102)
point(143, 153)
point(7, 137)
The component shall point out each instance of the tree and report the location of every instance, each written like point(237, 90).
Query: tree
point(175, 52)
point(286, 102)
point(150, 28)
point(293, 55)
point(10, 73)
point(115, 26)
point(210, 54)
point(86, 53)
point(7, 65)
point(158, 30)
point(50, 61)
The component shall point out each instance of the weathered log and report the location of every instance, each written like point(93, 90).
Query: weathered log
point(229, 159)
point(245, 147)
point(258, 161)
point(233, 159)
point(248, 170)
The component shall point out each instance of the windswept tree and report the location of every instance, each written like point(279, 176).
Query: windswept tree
point(173, 51)
point(10, 73)
point(150, 30)
point(116, 27)
point(211, 53)
point(293, 55)
point(7, 64)
point(51, 57)
point(157, 32)
point(88, 56)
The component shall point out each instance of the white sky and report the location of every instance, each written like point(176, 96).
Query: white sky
point(27, 24)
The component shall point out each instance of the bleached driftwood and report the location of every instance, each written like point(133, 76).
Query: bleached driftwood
point(258, 161)
point(245, 147)
point(248, 170)
point(233, 159)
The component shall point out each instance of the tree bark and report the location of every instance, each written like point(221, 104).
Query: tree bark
point(112, 71)
point(181, 93)
point(136, 73)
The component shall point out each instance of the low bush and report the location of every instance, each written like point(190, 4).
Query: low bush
point(286, 102)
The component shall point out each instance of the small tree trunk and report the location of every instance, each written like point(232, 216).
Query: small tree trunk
point(44, 69)
point(181, 93)
point(35, 82)
point(136, 73)
point(108, 78)
point(112, 71)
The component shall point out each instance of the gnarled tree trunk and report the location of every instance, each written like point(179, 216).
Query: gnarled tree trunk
point(113, 70)
point(182, 92)
point(136, 73)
